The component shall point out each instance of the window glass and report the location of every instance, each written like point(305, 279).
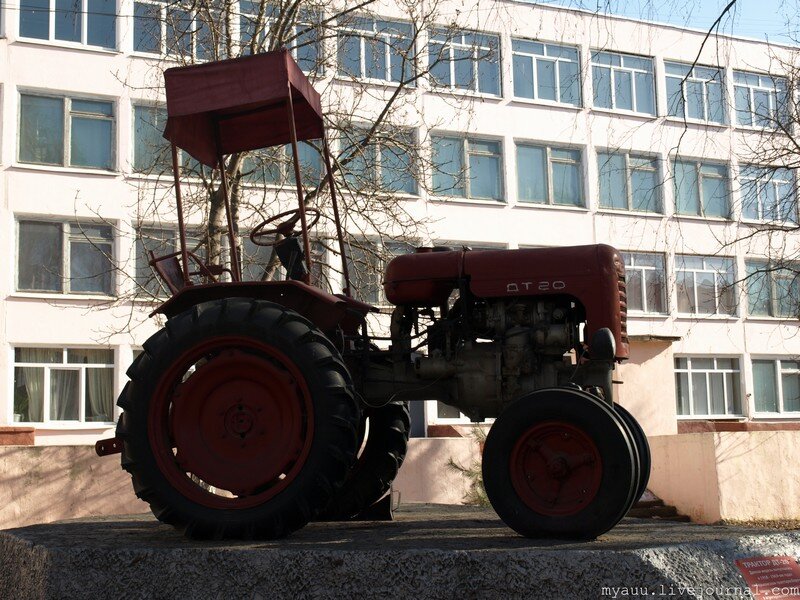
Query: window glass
point(448, 159)
point(549, 175)
point(382, 50)
point(34, 19)
point(484, 170)
point(645, 278)
point(759, 100)
point(41, 136)
point(765, 389)
point(147, 27)
point(39, 256)
point(701, 189)
point(628, 182)
point(694, 92)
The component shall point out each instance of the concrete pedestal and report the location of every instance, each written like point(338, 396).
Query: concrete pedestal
point(427, 552)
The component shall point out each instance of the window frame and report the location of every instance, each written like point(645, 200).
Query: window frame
point(700, 177)
point(612, 77)
point(464, 142)
point(66, 119)
point(65, 275)
point(548, 148)
point(449, 45)
point(81, 422)
point(388, 38)
point(739, 397)
point(84, 16)
point(767, 176)
point(643, 269)
point(778, 372)
point(558, 60)
point(771, 89)
point(304, 22)
point(628, 156)
point(376, 148)
point(755, 269)
point(731, 272)
point(196, 24)
point(691, 77)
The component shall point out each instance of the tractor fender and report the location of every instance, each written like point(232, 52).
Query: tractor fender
point(327, 311)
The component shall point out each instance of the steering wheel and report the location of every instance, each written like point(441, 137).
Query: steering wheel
point(285, 228)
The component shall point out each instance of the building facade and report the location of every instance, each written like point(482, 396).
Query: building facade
point(544, 126)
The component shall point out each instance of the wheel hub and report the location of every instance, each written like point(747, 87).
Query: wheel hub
point(555, 468)
point(240, 421)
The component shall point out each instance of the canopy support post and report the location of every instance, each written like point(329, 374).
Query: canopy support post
point(299, 183)
point(233, 248)
point(336, 219)
point(181, 225)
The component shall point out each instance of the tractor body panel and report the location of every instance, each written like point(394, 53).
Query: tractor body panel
point(326, 311)
point(593, 275)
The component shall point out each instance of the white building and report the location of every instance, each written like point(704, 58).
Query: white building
point(573, 136)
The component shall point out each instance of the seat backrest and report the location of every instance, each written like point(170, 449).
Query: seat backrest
point(170, 272)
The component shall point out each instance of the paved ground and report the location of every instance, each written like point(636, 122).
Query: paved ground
point(428, 551)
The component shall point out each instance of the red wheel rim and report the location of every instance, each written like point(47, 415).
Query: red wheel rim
point(231, 422)
point(556, 468)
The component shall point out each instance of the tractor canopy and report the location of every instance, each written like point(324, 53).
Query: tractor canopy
point(245, 101)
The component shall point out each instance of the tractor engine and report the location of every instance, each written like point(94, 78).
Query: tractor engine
point(478, 329)
point(505, 348)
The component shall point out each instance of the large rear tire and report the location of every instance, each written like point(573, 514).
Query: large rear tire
point(560, 463)
point(239, 421)
point(386, 430)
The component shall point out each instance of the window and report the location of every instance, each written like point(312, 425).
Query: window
point(275, 166)
point(629, 182)
point(54, 385)
point(465, 61)
point(548, 175)
point(768, 194)
point(645, 278)
point(760, 100)
point(546, 72)
point(694, 92)
point(469, 168)
point(623, 82)
point(772, 290)
point(66, 132)
point(705, 285)
point(70, 258)
point(708, 387)
point(380, 50)
point(366, 263)
point(776, 386)
point(178, 29)
point(386, 163)
point(305, 39)
point(701, 189)
point(88, 22)
point(151, 152)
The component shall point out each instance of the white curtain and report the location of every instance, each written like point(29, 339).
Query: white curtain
point(64, 395)
point(34, 380)
point(100, 391)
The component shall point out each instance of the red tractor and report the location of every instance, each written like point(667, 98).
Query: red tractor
point(245, 415)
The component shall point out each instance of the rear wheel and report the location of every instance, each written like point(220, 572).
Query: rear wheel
point(560, 463)
point(384, 440)
point(239, 421)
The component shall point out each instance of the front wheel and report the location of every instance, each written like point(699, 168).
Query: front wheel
point(560, 463)
point(239, 421)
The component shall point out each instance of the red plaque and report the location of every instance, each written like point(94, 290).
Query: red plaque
point(771, 577)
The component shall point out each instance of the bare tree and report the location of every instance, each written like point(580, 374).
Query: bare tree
point(369, 70)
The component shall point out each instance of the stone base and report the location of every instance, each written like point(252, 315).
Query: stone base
point(428, 551)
